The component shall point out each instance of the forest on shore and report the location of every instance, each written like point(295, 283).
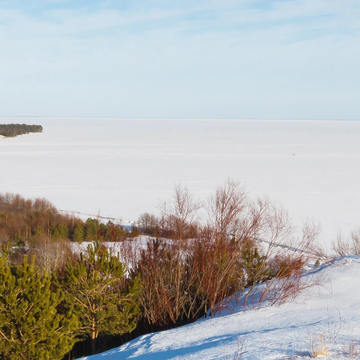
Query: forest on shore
point(12, 130)
point(59, 303)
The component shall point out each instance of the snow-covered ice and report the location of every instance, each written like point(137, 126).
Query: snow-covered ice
point(123, 167)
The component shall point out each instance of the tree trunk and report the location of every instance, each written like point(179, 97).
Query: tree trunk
point(93, 339)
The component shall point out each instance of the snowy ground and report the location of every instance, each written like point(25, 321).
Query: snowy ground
point(325, 317)
point(121, 168)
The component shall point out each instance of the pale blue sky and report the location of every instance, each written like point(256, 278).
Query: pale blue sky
point(289, 59)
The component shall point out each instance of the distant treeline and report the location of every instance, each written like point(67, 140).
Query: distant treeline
point(12, 130)
point(23, 221)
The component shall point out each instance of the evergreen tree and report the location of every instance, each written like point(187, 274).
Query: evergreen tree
point(92, 228)
point(105, 301)
point(79, 233)
point(31, 327)
point(63, 231)
point(255, 265)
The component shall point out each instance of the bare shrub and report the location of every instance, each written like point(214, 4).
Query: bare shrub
point(355, 237)
point(320, 343)
point(148, 223)
point(183, 283)
point(49, 255)
point(217, 271)
point(318, 346)
point(129, 252)
point(225, 209)
point(163, 293)
point(192, 270)
point(286, 256)
point(240, 350)
point(343, 248)
point(180, 216)
point(351, 349)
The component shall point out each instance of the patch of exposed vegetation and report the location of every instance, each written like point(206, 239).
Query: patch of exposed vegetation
point(12, 130)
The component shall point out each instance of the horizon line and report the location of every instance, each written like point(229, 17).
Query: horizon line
point(171, 118)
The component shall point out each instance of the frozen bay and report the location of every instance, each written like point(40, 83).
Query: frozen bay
point(124, 167)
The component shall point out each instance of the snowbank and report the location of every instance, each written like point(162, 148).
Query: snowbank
point(321, 318)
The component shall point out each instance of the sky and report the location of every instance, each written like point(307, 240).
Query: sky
point(245, 59)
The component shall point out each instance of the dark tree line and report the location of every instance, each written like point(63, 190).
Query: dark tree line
point(12, 130)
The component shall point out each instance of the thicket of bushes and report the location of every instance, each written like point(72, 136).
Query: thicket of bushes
point(189, 268)
point(23, 221)
point(12, 130)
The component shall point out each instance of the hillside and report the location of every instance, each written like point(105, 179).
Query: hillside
point(325, 317)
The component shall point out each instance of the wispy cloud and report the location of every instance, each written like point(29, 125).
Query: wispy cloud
point(202, 58)
point(291, 20)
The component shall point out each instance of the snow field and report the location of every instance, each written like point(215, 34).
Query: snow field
point(325, 317)
point(123, 167)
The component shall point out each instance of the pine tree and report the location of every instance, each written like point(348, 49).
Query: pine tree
point(79, 233)
point(255, 265)
point(92, 226)
point(103, 298)
point(30, 325)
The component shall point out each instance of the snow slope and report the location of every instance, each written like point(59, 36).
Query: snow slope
point(321, 317)
point(121, 168)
